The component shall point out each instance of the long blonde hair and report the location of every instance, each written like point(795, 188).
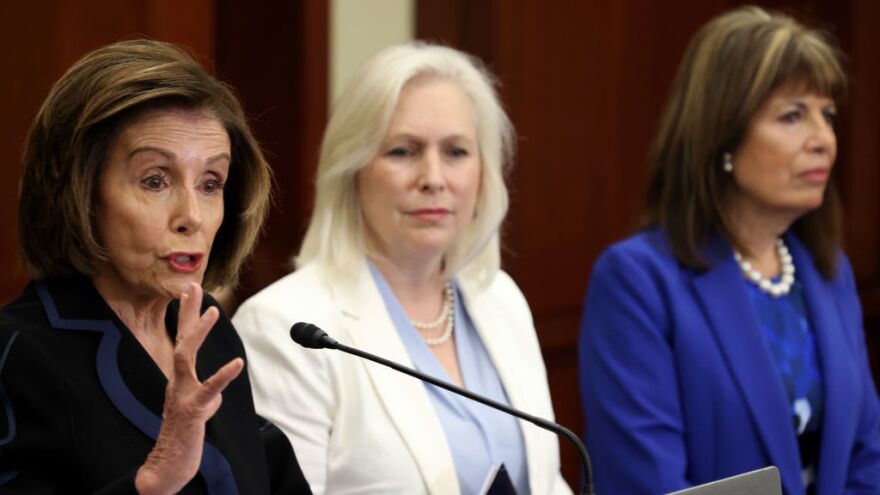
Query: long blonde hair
point(357, 126)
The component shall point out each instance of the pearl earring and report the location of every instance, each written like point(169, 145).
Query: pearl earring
point(728, 162)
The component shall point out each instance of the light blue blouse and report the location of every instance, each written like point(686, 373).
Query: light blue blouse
point(479, 437)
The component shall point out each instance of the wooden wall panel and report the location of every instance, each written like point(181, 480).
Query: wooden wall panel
point(862, 175)
point(861, 168)
point(275, 55)
point(584, 83)
point(22, 88)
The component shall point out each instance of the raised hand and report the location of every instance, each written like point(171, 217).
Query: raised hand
point(189, 403)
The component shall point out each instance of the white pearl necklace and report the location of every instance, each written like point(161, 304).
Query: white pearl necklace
point(447, 315)
point(777, 289)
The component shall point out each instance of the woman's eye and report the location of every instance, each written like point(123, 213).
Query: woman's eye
point(458, 152)
point(399, 152)
point(154, 182)
point(791, 117)
point(830, 117)
point(213, 185)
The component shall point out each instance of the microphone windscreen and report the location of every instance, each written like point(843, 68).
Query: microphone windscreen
point(308, 335)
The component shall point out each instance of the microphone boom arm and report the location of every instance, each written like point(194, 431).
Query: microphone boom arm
point(587, 485)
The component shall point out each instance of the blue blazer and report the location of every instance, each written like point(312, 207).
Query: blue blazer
point(679, 386)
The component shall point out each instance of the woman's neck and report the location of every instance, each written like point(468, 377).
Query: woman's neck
point(757, 230)
point(145, 319)
point(419, 287)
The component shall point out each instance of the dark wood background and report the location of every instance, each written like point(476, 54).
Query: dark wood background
point(583, 81)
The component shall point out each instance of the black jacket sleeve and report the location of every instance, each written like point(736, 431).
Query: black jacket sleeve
point(36, 436)
point(285, 475)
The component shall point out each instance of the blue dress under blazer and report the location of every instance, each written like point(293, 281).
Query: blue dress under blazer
point(81, 403)
point(679, 386)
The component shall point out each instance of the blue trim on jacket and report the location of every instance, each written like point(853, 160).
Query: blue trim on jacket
point(7, 476)
point(214, 467)
point(4, 398)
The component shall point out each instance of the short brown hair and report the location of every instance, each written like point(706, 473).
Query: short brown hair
point(730, 68)
point(67, 147)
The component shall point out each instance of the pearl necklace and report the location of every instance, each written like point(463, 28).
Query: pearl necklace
point(778, 289)
point(447, 315)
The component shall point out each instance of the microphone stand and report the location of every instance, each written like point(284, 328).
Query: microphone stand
point(587, 485)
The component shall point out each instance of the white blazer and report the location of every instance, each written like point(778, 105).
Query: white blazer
point(359, 427)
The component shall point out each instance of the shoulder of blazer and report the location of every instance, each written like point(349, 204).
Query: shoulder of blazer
point(646, 247)
point(500, 305)
point(501, 290)
point(642, 262)
point(303, 294)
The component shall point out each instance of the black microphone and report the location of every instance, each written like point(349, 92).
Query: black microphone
point(308, 335)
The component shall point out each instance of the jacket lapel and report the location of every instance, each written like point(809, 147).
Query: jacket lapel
point(75, 305)
point(91, 315)
point(726, 304)
point(404, 398)
point(496, 339)
point(839, 418)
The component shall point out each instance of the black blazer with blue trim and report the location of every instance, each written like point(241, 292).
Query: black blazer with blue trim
point(81, 402)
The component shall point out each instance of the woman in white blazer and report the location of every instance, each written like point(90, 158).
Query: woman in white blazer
point(402, 259)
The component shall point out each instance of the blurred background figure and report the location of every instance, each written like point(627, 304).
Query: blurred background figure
point(141, 181)
point(402, 259)
point(727, 334)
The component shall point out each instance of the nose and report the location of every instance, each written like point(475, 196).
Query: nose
point(430, 177)
point(187, 216)
point(823, 139)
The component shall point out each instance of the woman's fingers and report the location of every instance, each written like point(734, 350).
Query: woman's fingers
point(200, 329)
point(185, 394)
point(213, 386)
point(189, 403)
point(192, 329)
point(190, 303)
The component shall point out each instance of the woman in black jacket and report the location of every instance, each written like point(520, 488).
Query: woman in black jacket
point(141, 184)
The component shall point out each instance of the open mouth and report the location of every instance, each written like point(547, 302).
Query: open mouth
point(184, 262)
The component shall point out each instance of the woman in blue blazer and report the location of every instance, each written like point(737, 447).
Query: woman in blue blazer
point(727, 335)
